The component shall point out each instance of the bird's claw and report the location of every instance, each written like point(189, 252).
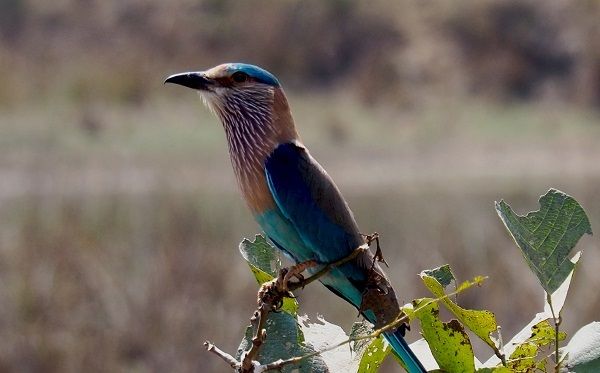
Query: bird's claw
point(295, 271)
point(272, 292)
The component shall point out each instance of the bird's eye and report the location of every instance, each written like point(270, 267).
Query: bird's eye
point(239, 77)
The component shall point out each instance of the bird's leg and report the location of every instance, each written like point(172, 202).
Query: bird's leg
point(296, 271)
point(326, 268)
point(271, 293)
point(283, 285)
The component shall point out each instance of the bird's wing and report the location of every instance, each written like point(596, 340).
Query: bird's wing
point(307, 196)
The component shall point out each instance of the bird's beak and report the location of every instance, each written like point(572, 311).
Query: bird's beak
point(194, 80)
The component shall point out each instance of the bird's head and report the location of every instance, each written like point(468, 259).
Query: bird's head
point(234, 91)
point(255, 114)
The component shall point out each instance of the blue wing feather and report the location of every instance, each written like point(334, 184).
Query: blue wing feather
point(310, 206)
point(307, 196)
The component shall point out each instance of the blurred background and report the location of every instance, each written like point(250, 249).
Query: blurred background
point(119, 215)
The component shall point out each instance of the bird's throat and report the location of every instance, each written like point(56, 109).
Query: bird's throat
point(252, 136)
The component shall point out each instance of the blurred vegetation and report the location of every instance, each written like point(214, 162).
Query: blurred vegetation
point(119, 216)
point(386, 50)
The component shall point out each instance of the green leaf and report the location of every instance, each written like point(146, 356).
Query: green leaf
point(500, 369)
point(558, 300)
point(373, 355)
point(261, 255)
point(547, 236)
point(364, 355)
point(481, 322)
point(541, 365)
point(523, 358)
point(543, 334)
point(369, 353)
point(284, 340)
point(583, 350)
point(358, 329)
point(265, 264)
point(321, 335)
point(448, 341)
point(442, 274)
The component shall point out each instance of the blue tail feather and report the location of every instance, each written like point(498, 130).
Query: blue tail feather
point(401, 349)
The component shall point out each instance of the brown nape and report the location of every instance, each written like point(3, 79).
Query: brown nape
point(282, 119)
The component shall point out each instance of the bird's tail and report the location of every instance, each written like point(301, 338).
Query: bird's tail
point(401, 349)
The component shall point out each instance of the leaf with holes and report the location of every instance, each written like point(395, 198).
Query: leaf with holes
point(448, 341)
point(547, 236)
point(373, 355)
point(284, 340)
point(523, 358)
point(543, 334)
point(481, 322)
point(442, 274)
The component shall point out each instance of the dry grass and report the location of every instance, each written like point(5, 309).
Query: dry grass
point(118, 244)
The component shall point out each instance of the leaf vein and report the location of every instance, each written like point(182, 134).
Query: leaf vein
point(545, 215)
point(552, 227)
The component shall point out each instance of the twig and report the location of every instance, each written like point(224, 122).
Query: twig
point(378, 252)
point(222, 354)
point(557, 321)
point(258, 322)
point(500, 353)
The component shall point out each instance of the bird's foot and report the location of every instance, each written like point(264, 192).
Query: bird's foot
point(272, 292)
point(295, 271)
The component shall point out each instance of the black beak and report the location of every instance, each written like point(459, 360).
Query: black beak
point(194, 80)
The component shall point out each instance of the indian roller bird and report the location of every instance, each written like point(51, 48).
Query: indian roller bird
point(291, 196)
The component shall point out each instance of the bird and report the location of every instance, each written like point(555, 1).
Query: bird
point(291, 196)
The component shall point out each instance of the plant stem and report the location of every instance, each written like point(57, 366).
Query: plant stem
point(557, 321)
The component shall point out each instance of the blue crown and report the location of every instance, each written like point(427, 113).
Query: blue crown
point(255, 72)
